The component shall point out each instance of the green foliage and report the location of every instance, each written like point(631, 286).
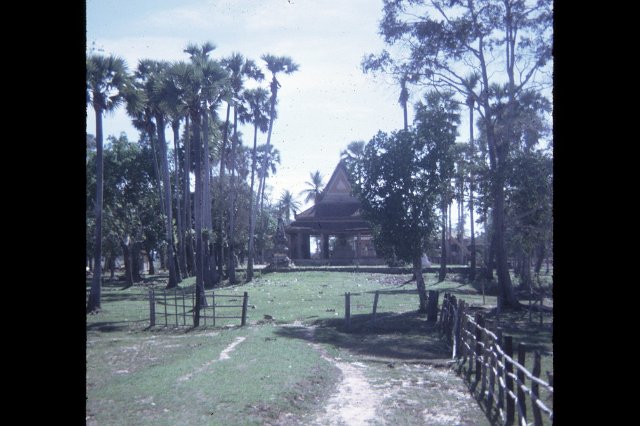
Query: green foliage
point(398, 194)
point(131, 203)
point(404, 174)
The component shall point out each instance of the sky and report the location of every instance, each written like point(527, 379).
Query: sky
point(322, 107)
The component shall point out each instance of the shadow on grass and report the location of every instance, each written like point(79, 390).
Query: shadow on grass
point(116, 326)
point(406, 336)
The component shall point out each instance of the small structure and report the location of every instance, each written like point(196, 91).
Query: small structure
point(281, 250)
point(332, 232)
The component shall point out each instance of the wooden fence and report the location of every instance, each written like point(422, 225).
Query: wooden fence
point(490, 358)
point(432, 307)
point(176, 308)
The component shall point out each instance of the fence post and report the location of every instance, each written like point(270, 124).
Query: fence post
point(347, 310)
point(520, 376)
point(492, 376)
point(375, 305)
point(443, 314)
point(499, 374)
point(537, 417)
point(165, 309)
point(432, 306)
point(479, 333)
point(184, 310)
point(245, 299)
point(508, 366)
point(458, 326)
point(175, 304)
point(152, 308)
point(213, 306)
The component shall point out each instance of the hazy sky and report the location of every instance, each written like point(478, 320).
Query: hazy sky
point(328, 103)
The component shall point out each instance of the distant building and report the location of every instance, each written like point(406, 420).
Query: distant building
point(332, 231)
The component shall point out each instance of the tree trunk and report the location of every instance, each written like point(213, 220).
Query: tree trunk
point(166, 186)
point(525, 276)
point(186, 201)
point(209, 266)
point(252, 207)
point(182, 262)
point(443, 249)
point(422, 291)
point(95, 293)
point(136, 265)
point(472, 269)
point(220, 224)
point(502, 267)
point(540, 254)
point(232, 208)
point(152, 269)
point(126, 254)
point(112, 265)
point(199, 258)
point(163, 258)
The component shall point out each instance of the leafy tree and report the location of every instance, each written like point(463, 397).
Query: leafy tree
point(436, 122)
point(314, 187)
point(106, 80)
point(444, 37)
point(399, 189)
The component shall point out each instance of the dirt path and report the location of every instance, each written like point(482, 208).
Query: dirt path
point(355, 401)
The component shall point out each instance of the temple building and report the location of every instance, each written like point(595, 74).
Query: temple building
point(332, 231)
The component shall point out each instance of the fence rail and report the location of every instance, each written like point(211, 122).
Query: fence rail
point(432, 307)
point(176, 307)
point(490, 356)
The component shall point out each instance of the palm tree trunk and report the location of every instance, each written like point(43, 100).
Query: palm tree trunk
point(220, 225)
point(200, 296)
point(252, 211)
point(232, 215)
point(166, 186)
point(187, 202)
point(175, 125)
point(95, 293)
point(210, 272)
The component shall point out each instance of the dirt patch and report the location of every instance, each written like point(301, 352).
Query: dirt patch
point(223, 355)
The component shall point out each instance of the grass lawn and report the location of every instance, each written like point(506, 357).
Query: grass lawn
point(272, 371)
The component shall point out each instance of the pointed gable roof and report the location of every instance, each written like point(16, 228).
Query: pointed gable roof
point(336, 204)
point(338, 189)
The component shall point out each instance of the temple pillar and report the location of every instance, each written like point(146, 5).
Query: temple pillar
point(358, 245)
point(325, 246)
point(299, 245)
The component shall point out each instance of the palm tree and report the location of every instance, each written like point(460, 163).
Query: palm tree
point(275, 64)
point(257, 102)
point(314, 187)
point(196, 98)
point(106, 80)
point(239, 68)
point(268, 157)
point(288, 204)
point(151, 102)
point(352, 157)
